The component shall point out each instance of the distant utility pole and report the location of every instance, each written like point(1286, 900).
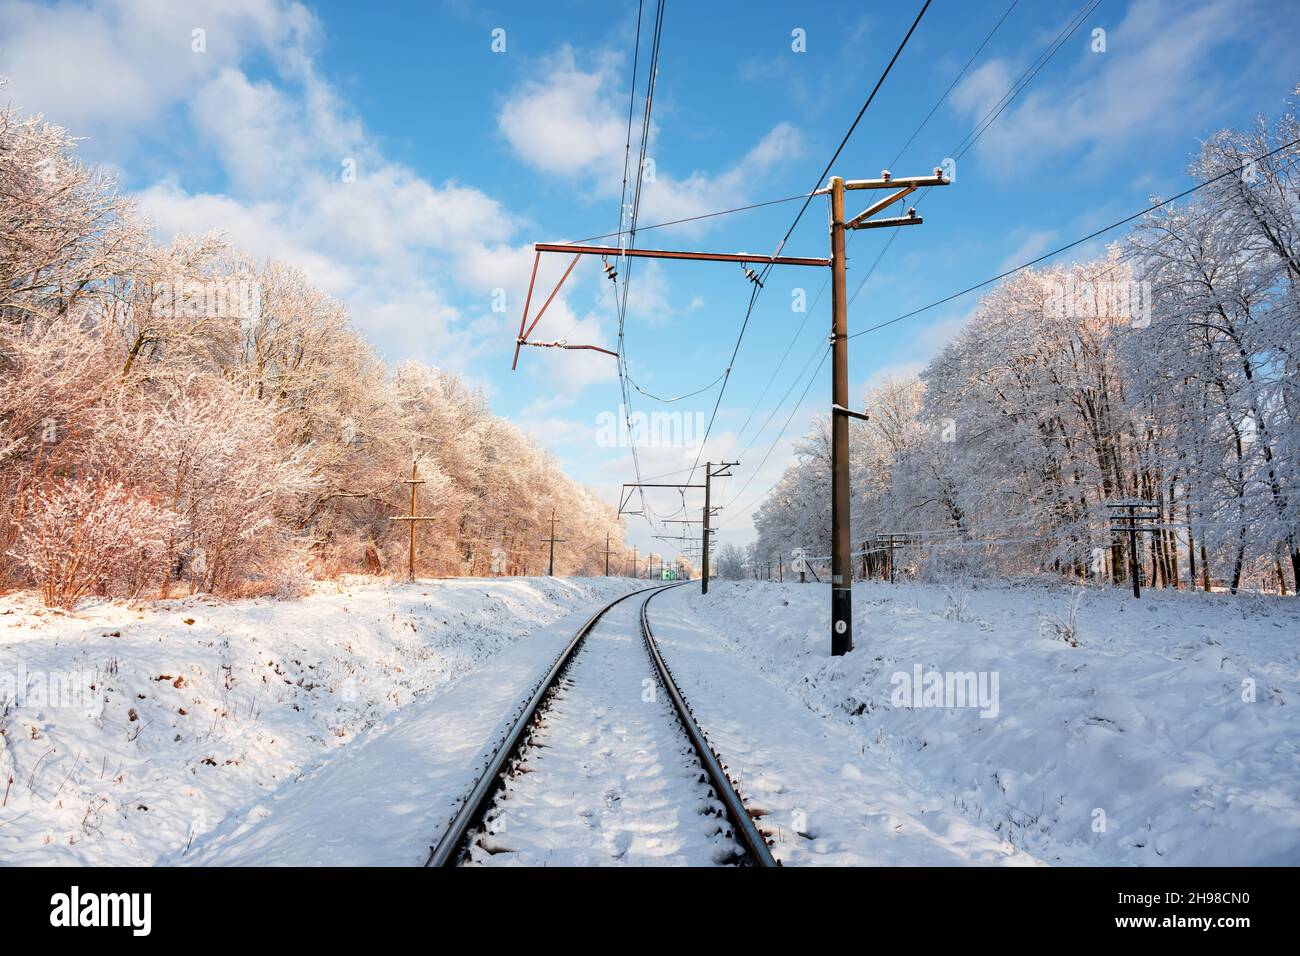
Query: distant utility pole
point(552, 540)
point(891, 540)
point(606, 553)
point(625, 495)
point(709, 475)
point(1134, 516)
point(636, 568)
point(414, 481)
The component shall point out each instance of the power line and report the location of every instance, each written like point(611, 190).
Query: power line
point(951, 86)
point(968, 142)
point(1268, 497)
point(793, 410)
point(1072, 25)
point(758, 285)
point(1077, 242)
point(688, 219)
point(989, 118)
point(632, 218)
point(1119, 261)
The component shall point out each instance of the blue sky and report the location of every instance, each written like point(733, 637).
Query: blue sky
point(464, 157)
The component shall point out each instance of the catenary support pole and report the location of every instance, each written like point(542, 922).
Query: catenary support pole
point(841, 549)
point(704, 555)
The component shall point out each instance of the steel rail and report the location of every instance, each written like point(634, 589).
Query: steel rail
point(453, 841)
point(747, 833)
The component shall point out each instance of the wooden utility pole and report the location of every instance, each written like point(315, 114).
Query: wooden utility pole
point(414, 481)
point(552, 540)
point(636, 568)
point(1132, 517)
point(607, 553)
point(1135, 567)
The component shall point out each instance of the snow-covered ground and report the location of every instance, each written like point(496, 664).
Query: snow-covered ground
point(342, 728)
point(1169, 735)
point(136, 736)
point(820, 793)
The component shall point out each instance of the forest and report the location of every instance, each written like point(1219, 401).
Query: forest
point(1164, 372)
point(179, 419)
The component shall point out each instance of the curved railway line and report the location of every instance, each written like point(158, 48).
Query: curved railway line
point(587, 708)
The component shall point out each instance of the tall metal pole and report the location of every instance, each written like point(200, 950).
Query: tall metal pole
point(841, 549)
point(704, 557)
point(606, 554)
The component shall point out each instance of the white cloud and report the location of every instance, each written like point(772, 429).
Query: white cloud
point(564, 124)
point(100, 68)
point(1146, 81)
point(389, 244)
point(571, 123)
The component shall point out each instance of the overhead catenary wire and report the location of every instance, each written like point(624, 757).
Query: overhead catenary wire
point(990, 117)
point(621, 355)
point(758, 286)
point(951, 86)
point(789, 418)
point(675, 398)
point(688, 219)
point(1077, 242)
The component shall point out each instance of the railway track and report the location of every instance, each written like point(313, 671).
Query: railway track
point(590, 719)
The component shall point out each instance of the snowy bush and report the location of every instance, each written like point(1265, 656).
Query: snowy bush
point(83, 536)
